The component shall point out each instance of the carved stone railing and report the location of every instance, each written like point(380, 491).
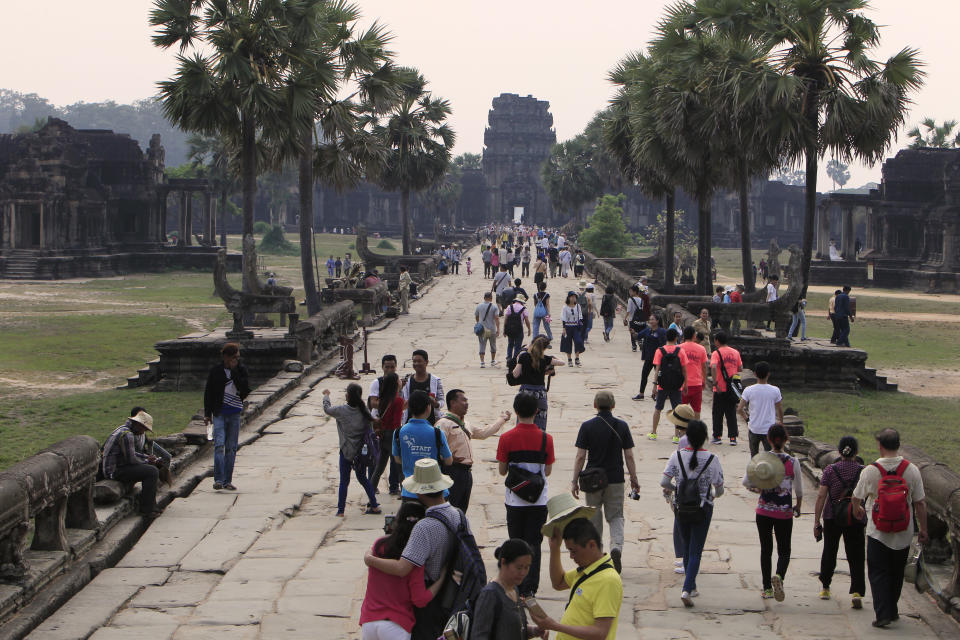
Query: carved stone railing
point(942, 488)
point(422, 268)
point(322, 331)
point(372, 300)
point(54, 489)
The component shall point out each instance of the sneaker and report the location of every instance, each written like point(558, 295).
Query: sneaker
point(634, 348)
point(679, 570)
point(694, 593)
point(217, 486)
point(881, 624)
point(482, 365)
point(733, 442)
point(777, 583)
point(615, 556)
point(493, 363)
point(676, 440)
point(685, 597)
point(678, 562)
point(766, 594)
point(569, 362)
point(652, 436)
point(639, 396)
point(716, 441)
point(229, 487)
point(856, 601)
point(824, 594)
point(577, 362)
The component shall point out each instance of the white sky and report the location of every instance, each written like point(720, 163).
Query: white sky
point(470, 52)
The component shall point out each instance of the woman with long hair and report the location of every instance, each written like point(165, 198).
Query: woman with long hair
point(498, 613)
point(775, 513)
point(702, 467)
point(390, 406)
point(541, 310)
point(572, 318)
point(387, 609)
point(353, 422)
point(836, 486)
point(532, 368)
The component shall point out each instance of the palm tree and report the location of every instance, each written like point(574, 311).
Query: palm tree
point(418, 142)
point(839, 172)
point(469, 161)
point(934, 136)
point(216, 161)
point(569, 178)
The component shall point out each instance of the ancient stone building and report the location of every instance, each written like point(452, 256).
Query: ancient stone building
point(517, 142)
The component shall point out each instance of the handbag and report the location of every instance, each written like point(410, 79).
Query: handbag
point(734, 384)
point(478, 329)
point(593, 479)
point(527, 485)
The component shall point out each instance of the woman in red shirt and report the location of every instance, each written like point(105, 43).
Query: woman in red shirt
point(387, 609)
point(390, 404)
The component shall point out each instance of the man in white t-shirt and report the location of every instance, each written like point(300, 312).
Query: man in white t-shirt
point(887, 551)
point(773, 283)
point(764, 402)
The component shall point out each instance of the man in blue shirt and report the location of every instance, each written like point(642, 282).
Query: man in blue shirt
point(841, 312)
point(653, 337)
point(419, 439)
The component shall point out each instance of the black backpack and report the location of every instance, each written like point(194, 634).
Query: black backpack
point(607, 307)
point(513, 325)
point(687, 505)
point(465, 560)
point(670, 376)
point(512, 380)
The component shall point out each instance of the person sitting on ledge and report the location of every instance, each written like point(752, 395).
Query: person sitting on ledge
point(122, 461)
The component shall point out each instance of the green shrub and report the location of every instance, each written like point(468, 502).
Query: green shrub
point(352, 245)
point(384, 244)
point(275, 242)
point(260, 227)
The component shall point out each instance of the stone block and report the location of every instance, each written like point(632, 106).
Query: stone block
point(220, 548)
point(214, 632)
point(264, 569)
point(292, 366)
point(167, 541)
point(109, 492)
point(232, 612)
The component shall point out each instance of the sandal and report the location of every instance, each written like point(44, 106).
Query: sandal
point(340, 514)
point(369, 511)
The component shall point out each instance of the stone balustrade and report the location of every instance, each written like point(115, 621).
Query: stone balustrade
point(322, 331)
point(54, 490)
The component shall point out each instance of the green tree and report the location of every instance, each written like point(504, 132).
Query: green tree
point(606, 234)
point(792, 177)
point(216, 161)
point(569, 177)
point(839, 172)
point(441, 197)
point(469, 161)
point(935, 136)
point(418, 142)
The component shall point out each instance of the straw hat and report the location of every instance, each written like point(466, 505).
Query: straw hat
point(561, 509)
point(765, 470)
point(681, 415)
point(145, 419)
point(427, 478)
point(583, 284)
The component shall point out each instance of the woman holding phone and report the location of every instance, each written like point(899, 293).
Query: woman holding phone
point(498, 613)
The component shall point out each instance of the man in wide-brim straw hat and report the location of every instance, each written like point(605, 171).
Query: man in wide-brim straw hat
point(561, 509)
point(122, 461)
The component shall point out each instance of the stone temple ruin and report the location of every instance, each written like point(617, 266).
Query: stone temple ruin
point(90, 202)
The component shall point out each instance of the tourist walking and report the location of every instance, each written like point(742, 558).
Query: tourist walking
point(353, 423)
point(652, 337)
point(403, 288)
point(761, 406)
point(798, 316)
point(831, 306)
point(486, 256)
point(454, 426)
point(418, 438)
point(572, 319)
point(389, 408)
point(694, 478)
point(498, 613)
point(844, 315)
point(227, 385)
point(424, 381)
point(834, 506)
point(725, 363)
point(331, 265)
point(347, 265)
point(122, 462)
point(773, 283)
point(487, 328)
point(579, 261)
point(387, 612)
point(775, 476)
point(608, 311)
point(604, 444)
point(541, 310)
point(531, 371)
point(565, 261)
point(554, 256)
point(587, 308)
point(515, 317)
point(669, 372)
point(677, 324)
point(525, 456)
point(501, 282)
point(888, 489)
point(540, 269)
point(696, 372)
point(525, 262)
point(469, 266)
point(455, 256)
point(636, 317)
point(338, 266)
point(703, 326)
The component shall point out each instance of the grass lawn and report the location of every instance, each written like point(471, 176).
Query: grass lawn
point(28, 424)
point(922, 422)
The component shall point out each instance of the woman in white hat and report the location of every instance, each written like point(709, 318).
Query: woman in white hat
point(775, 476)
point(693, 464)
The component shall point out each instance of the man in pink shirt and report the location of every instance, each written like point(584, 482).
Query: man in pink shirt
point(725, 400)
point(669, 370)
point(696, 371)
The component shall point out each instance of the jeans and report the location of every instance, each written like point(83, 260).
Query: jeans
point(645, 375)
point(462, 477)
point(514, 344)
point(486, 269)
point(800, 317)
point(525, 523)
point(769, 527)
point(725, 406)
point(757, 439)
point(492, 339)
point(147, 475)
point(383, 630)
point(345, 467)
point(396, 471)
point(885, 569)
point(541, 392)
point(587, 326)
point(546, 327)
point(572, 340)
point(608, 324)
point(525, 269)
point(833, 336)
point(609, 503)
point(843, 332)
point(693, 535)
point(226, 433)
point(853, 546)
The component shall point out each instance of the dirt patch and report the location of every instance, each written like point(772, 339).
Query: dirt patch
point(930, 383)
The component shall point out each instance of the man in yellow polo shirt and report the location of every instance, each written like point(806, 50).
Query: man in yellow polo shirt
point(596, 588)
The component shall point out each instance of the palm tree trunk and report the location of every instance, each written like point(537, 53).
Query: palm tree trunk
point(405, 222)
point(704, 240)
point(248, 169)
point(810, 193)
point(223, 218)
point(306, 223)
point(746, 258)
point(669, 246)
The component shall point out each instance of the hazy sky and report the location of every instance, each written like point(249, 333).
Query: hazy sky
point(470, 52)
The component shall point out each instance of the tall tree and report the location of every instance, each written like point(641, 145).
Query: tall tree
point(418, 142)
point(839, 172)
point(569, 178)
point(441, 197)
point(935, 136)
point(217, 162)
point(469, 161)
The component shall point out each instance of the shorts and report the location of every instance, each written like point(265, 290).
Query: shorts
point(663, 394)
point(693, 397)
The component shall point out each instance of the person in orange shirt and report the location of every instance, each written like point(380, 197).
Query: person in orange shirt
point(696, 371)
point(669, 370)
point(724, 400)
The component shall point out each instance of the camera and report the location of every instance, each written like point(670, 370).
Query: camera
point(634, 495)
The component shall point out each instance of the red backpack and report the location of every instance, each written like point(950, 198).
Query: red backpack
point(891, 509)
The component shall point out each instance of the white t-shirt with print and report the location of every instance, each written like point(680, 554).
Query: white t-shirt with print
point(761, 400)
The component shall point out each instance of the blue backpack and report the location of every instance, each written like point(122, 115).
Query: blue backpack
point(539, 311)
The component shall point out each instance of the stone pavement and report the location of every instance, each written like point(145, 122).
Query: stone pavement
point(272, 561)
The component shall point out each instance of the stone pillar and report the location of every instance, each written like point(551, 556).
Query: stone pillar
point(189, 233)
point(950, 232)
point(210, 228)
point(848, 242)
point(6, 226)
point(823, 231)
point(162, 215)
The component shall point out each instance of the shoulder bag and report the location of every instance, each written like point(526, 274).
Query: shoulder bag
point(593, 479)
point(528, 485)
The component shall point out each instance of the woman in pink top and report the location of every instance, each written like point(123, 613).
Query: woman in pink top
point(387, 609)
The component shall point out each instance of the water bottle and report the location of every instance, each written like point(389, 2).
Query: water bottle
point(364, 450)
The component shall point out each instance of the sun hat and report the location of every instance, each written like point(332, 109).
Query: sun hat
point(583, 284)
point(765, 470)
point(144, 418)
point(589, 286)
point(427, 478)
point(681, 415)
point(561, 509)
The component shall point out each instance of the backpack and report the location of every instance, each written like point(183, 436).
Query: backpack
point(670, 375)
point(371, 444)
point(513, 325)
point(843, 508)
point(607, 307)
point(512, 380)
point(584, 304)
point(687, 506)
point(891, 509)
point(540, 310)
point(457, 598)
